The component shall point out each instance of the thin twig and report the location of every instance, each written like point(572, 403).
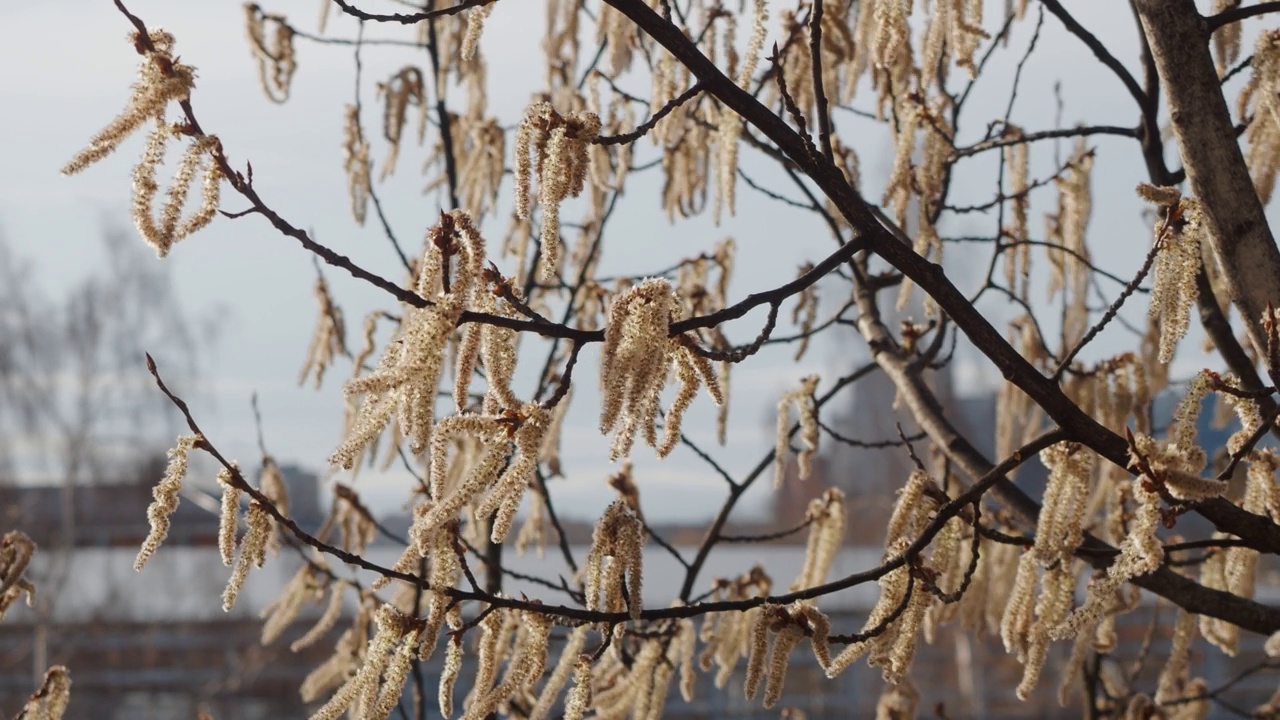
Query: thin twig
point(1114, 309)
point(410, 18)
point(643, 128)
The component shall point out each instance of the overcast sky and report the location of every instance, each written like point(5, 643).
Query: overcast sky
point(68, 71)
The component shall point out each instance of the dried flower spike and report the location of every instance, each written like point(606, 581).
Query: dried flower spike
point(405, 383)
point(1179, 237)
point(50, 701)
point(806, 406)
point(559, 145)
point(161, 80)
point(281, 613)
point(332, 611)
point(276, 54)
point(389, 635)
point(229, 517)
point(405, 88)
point(253, 547)
point(475, 26)
point(826, 518)
point(355, 163)
point(202, 152)
point(16, 551)
point(330, 338)
point(580, 696)
point(166, 498)
point(636, 361)
point(449, 675)
point(619, 539)
point(1260, 100)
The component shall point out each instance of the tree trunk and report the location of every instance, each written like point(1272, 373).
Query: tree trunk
point(1237, 227)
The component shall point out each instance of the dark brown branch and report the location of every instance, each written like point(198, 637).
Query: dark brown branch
point(1238, 13)
point(819, 89)
point(442, 112)
point(1237, 69)
point(460, 551)
point(1212, 317)
point(1100, 51)
point(496, 601)
point(770, 193)
point(789, 102)
point(1264, 534)
point(662, 543)
point(644, 127)
point(1002, 198)
point(1057, 247)
point(776, 295)
point(410, 18)
point(562, 387)
point(245, 188)
point(561, 586)
point(767, 537)
point(929, 415)
point(1083, 131)
point(706, 458)
point(1253, 621)
point(742, 352)
point(321, 40)
point(1267, 664)
point(876, 445)
point(884, 623)
point(561, 535)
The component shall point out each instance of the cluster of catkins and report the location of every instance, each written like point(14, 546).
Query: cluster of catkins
point(161, 80)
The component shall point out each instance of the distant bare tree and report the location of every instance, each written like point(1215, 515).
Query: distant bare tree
point(70, 402)
point(73, 410)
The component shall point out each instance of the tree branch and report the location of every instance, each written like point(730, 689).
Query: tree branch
point(1083, 131)
point(1100, 51)
point(410, 18)
point(1238, 13)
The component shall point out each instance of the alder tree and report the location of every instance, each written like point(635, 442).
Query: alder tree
point(686, 90)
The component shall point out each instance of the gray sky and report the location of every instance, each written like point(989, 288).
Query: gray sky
point(68, 70)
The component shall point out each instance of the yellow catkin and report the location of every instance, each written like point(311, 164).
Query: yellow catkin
point(50, 701)
point(253, 548)
point(580, 696)
point(449, 675)
point(806, 406)
point(332, 611)
point(229, 517)
point(1179, 238)
point(1260, 100)
point(558, 145)
point(16, 552)
point(161, 80)
point(284, 610)
point(166, 499)
point(276, 60)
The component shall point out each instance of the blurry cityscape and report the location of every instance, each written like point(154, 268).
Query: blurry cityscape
point(157, 644)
